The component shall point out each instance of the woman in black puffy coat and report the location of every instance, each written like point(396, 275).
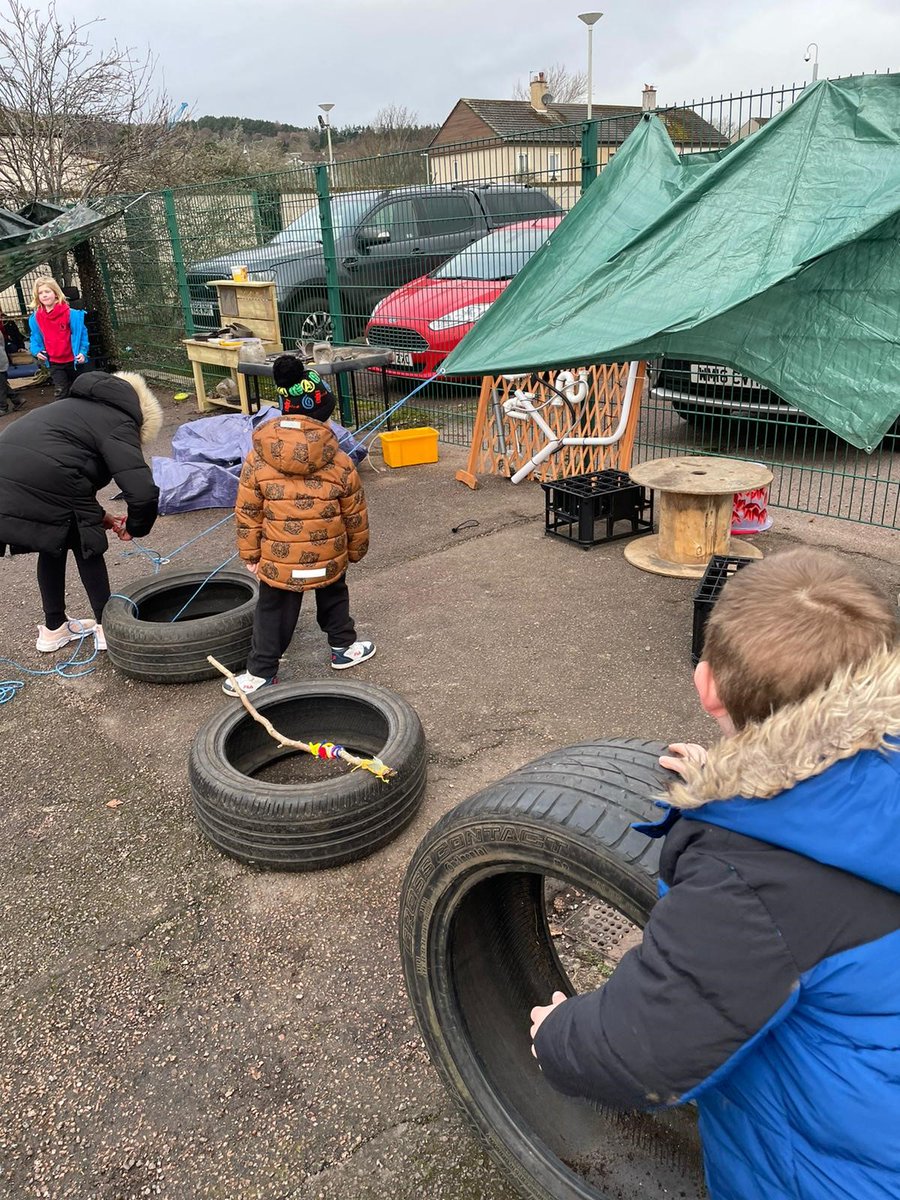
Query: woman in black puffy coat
point(53, 461)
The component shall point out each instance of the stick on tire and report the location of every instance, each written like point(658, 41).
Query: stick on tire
point(308, 826)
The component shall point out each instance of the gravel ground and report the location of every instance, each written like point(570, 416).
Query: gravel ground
point(174, 1024)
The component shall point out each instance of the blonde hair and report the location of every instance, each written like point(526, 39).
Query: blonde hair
point(46, 281)
point(783, 627)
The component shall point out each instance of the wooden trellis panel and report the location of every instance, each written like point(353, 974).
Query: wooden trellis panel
point(501, 444)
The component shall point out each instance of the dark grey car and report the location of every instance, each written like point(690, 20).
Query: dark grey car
point(382, 240)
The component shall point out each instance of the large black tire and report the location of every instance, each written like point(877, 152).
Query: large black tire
point(144, 642)
point(306, 826)
point(478, 954)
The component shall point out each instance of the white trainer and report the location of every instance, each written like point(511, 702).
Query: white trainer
point(54, 639)
point(247, 683)
point(351, 656)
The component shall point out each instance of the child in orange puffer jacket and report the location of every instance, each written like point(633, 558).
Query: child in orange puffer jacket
point(301, 519)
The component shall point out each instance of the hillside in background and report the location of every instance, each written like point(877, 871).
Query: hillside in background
point(266, 144)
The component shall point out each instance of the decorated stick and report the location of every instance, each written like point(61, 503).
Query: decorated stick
point(327, 750)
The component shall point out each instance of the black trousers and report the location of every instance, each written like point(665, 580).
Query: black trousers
point(275, 621)
point(63, 376)
point(51, 577)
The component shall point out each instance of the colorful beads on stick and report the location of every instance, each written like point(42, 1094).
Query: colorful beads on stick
point(325, 749)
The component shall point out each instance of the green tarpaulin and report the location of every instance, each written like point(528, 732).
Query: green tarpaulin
point(779, 257)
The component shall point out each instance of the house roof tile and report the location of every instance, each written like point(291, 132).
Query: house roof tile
point(513, 119)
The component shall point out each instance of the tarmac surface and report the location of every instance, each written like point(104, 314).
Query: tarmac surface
point(175, 1024)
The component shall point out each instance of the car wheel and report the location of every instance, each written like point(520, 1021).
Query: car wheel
point(326, 814)
point(515, 894)
point(317, 326)
point(305, 317)
point(145, 640)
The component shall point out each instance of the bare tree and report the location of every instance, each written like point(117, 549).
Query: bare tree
point(397, 128)
point(74, 120)
point(564, 85)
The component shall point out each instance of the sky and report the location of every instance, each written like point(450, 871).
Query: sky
point(278, 59)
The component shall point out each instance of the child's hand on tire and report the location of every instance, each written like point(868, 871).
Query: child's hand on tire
point(681, 754)
point(540, 1013)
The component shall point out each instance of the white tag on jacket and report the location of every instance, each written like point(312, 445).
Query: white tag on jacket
point(312, 573)
point(285, 424)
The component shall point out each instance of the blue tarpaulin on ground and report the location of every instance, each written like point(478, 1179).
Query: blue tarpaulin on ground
point(206, 460)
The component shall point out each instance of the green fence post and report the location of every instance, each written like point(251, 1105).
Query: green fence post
point(331, 279)
point(588, 154)
point(178, 260)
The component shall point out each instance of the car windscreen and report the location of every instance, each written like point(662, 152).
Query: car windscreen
point(346, 210)
point(498, 256)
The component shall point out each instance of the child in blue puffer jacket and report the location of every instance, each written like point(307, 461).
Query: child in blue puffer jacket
point(767, 985)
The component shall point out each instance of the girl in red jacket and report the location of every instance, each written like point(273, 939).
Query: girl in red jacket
point(58, 334)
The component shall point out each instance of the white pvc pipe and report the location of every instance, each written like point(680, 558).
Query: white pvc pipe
point(557, 443)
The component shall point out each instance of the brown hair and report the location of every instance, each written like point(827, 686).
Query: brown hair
point(784, 626)
point(48, 281)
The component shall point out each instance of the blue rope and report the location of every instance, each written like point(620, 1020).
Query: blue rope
point(9, 688)
point(204, 583)
point(160, 560)
point(378, 421)
point(127, 599)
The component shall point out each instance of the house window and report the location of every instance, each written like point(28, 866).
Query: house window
point(523, 164)
point(554, 163)
point(456, 168)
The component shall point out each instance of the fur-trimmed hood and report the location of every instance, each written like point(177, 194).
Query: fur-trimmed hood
point(151, 409)
point(858, 710)
point(126, 391)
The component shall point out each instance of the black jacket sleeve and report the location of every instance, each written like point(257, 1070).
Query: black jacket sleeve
point(123, 456)
point(711, 972)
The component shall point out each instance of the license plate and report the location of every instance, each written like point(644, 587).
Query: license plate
point(402, 358)
point(709, 373)
point(202, 308)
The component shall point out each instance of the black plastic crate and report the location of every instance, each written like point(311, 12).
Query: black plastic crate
point(586, 509)
point(718, 571)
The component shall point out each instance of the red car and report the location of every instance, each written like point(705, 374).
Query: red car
point(425, 319)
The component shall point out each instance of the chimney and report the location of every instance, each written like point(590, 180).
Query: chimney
point(539, 89)
point(648, 100)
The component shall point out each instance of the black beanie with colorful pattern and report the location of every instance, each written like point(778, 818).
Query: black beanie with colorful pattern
point(301, 389)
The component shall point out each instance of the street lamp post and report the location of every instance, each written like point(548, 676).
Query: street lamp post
point(590, 19)
point(811, 46)
point(326, 109)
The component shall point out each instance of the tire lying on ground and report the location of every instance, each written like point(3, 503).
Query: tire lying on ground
point(145, 643)
point(303, 826)
point(481, 943)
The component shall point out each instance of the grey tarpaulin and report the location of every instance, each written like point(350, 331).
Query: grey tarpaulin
point(22, 251)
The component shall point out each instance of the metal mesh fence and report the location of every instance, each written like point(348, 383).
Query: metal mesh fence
point(407, 250)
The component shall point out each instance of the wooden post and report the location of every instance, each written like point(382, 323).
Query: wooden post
point(468, 476)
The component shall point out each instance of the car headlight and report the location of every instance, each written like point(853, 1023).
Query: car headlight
point(459, 316)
